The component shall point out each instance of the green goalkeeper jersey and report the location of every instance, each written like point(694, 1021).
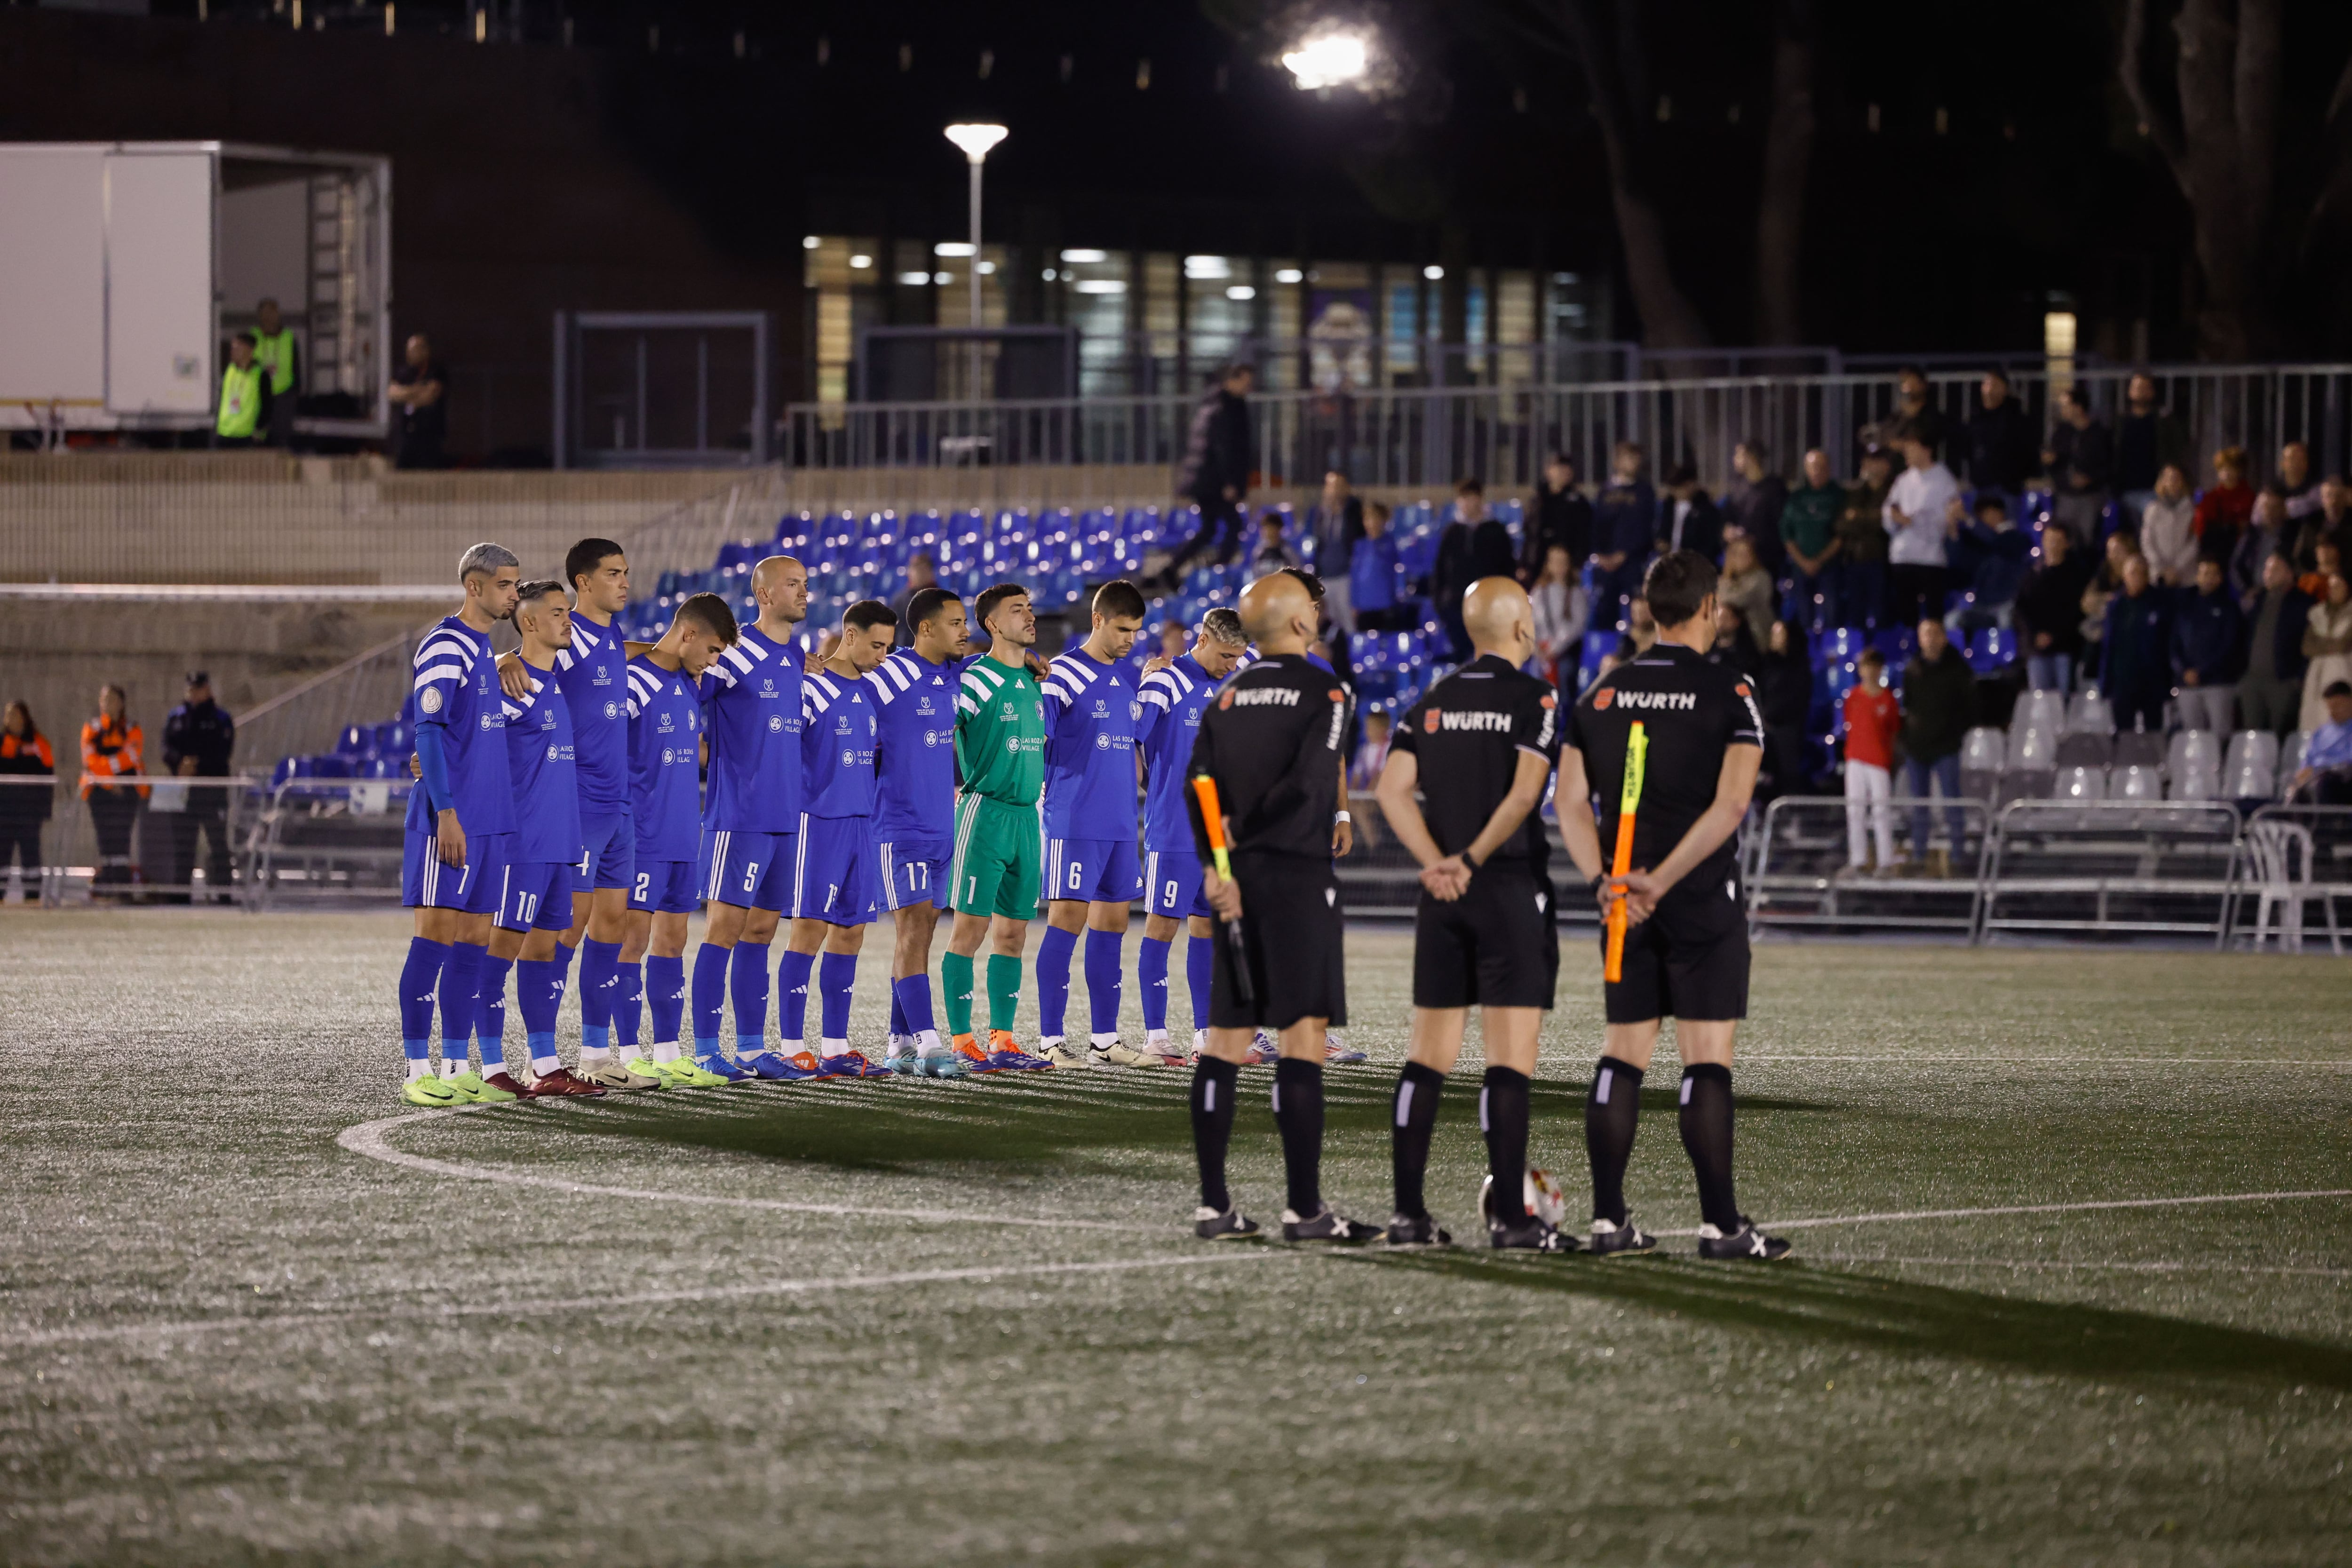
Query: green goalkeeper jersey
point(1000, 734)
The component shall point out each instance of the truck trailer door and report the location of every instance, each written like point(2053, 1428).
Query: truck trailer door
point(161, 337)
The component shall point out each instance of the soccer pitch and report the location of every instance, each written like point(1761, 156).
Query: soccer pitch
point(920, 1322)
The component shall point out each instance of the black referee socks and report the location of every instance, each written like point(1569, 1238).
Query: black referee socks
point(1214, 1082)
point(1612, 1112)
point(1502, 1116)
point(1707, 1136)
point(1414, 1119)
point(1298, 1112)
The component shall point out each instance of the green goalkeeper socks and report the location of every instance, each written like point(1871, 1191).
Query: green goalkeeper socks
point(1004, 990)
point(955, 980)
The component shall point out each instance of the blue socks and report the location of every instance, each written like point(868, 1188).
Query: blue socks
point(1151, 979)
point(600, 975)
point(666, 998)
point(628, 1004)
point(837, 977)
point(1200, 960)
point(709, 996)
point(792, 998)
point(1054, 980)
point(912, 996)
point(1103, 978)
point(538, 992)
point(490, 1013)
point(460, 979)
point(417, 979)
point(897, 1013)
point(749, 990)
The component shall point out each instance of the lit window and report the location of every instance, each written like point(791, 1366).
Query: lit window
point(809, 242)
point(1102, 286)
point(952, 248)
point(1241, 291)
point(1207, 267)
point(914, 279)
point(1434, 274)
point(1290, 275)
point(943, 279)
point(861, 261)
point(1084, 257)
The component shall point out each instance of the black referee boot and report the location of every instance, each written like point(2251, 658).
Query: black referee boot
point(1417, 1230)
point(1746, 1242)
point(1529, 1235)
point(1224, 1225)
point(1626, 1240)
point(1325, 1225)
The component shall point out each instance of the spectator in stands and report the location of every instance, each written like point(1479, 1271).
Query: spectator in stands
point(280, 358)
point(111, 749)
point(1734, 649)
point(1862, 542)
point(1372, 752)
point(2325, 776)
point(1786, 683)
point(2135, 651)
point(2147, 441)
point(1747, 588)
point(1687, 518)
point(2168, 529)
point(2223, 511)
point(24, 755)
point(2295, 485)
point(2327, 559)
point(1939, 704)
point(1373, 574)
point(2270, 691)
point(1219, 456)
point(1563, 521)
point(1172, 640)
point(1336, 524)
point(2080, 458)
point(2001, 441)
point(1914, 521)
point(420, 401)
point(244, 412)
point(2329, 523)
point(1562, 614)
point(1808, 541)
point(1989, 556)
point(2209, 651)
point(1272, 554)
point(1752, 505)
point(1871, 723)
point(2328, 644)
point(1624, 532)
point(199, 740)
point(921, 574)
point(1472, 546)
point(2049, 613)
point(1641, 627)
point(1916, 416)
point(2267, 533)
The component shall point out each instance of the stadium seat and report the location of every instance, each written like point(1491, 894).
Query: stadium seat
point(1992, 650)
point(2035, 751)
point(2135, 781)
point(2080, 784)
point(2200, 781)
point(2193, 751)
point(2138, 747)
point(2291, 758)
point(334, 765)
point(1985, 750)
point(2085, 750)
point(2043, 709)
point(2091, 711)
point(356, 741)
point(2250, 769)
point(2021, 784)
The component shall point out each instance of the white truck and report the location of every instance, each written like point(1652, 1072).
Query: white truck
point(125, 266)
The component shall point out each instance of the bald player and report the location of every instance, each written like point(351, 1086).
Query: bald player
point(1271, 741)
point(1484, 740)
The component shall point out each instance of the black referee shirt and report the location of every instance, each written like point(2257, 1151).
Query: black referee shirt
point(1693, 711)
point(1468, 731)
point(1272, 740)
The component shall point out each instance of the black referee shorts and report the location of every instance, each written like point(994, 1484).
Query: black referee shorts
point(1495, 946)
point(1294, 932)
point(1689, 959)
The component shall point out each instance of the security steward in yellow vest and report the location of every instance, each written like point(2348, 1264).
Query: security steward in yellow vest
point(274, 347)
point(243, 396)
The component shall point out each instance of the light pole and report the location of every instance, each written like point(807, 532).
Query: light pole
point(975, 142)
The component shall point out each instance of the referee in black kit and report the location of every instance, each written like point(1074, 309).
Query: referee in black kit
point(1484, 739)
point(1686, 948)
point(1271, 743)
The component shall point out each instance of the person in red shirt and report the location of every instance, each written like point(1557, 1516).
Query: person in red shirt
point(2225, 510)
point(1872, 719)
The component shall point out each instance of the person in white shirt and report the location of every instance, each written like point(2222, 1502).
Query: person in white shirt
point(1913, 516)
point(1560, 616)
point(2167, 530)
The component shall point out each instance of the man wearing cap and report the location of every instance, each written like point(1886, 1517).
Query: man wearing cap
point(199, 737)
point(2325, 776)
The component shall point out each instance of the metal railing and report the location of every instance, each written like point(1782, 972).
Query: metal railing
point(1799, 872)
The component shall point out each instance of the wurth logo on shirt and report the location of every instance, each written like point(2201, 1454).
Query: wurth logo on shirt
point(1261, 697)
point(1668, 702)
point(1496, 723)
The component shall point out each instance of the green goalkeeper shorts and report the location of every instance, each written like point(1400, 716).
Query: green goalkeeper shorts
point(999, 857)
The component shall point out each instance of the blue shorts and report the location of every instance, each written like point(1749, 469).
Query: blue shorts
point(913, 872)
point(610, 857)
point(535, 895)
point(833, 870)
point(666, 888)
point(1103, 871)
point(471, 888)
point(1171, 884)
point(749, 870)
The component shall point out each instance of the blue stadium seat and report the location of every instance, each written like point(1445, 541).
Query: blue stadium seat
point(356, 741)
point(330, 765)
point(1991, 649)
point(393, 739)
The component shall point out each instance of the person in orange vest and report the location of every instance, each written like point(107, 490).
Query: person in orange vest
point(110, 751)
point(24, 806)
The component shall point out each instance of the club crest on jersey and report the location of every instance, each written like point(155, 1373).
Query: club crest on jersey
point(1135, 711)
point(429, 700)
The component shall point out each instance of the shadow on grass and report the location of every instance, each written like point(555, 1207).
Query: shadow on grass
point(1897, 1316)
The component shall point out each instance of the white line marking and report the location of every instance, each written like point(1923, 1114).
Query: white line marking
point(2163, 1267)
point(642, 1298)
point(2046, 1209)
point(1900, 1059)
point(371, 1139)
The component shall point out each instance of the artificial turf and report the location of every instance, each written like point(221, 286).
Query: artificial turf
point(904, 1321)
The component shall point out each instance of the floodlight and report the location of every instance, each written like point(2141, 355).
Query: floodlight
point(1434, 274)
point(953, 247)
point(1241, 291)
point(1332, 59)
point(975, 142)
point(1084, 257)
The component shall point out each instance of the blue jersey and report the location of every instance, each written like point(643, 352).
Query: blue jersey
point(545, 769)
point(837, 750)
point(914, 796)
point(596, 688)
point(1090, 714)
point(1173, 699)
point(456, 689)
point(665, 761)
point(752, 708)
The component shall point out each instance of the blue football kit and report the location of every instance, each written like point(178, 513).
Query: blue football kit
point(664, 715)
point(1091, 709)
point(1173, 700)
point(751, 709)
point(592, 676)
point(454, 690)
point(543, 761)
point(915, 778)
point(833, 860)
